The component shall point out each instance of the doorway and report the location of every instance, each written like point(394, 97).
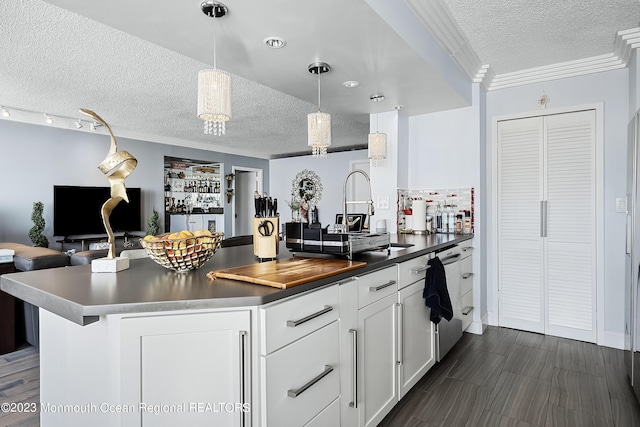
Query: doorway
point(246, 182)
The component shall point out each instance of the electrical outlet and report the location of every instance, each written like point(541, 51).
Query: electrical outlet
point(621, 204)
point(383, 203)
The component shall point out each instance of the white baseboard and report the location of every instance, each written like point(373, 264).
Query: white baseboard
point(478, 327)
point(613, 340)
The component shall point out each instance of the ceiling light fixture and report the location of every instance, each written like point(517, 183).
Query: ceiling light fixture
point(275, 42)
point(398, 107)
point(377, 147)
point(48, 119)
point(5, 112)
point(377, 97)
point(94, 125)
point(214, 85)
point(78, 124)
point(351, 84)
point(319, 124)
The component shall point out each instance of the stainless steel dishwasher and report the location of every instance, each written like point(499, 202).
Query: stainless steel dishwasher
point(449, 332)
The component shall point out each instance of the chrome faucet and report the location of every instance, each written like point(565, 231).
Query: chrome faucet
point(368, 202)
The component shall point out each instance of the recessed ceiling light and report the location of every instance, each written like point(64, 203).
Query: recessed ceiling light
point(377, 97)
point(398, 107)
point(351, 84)
point(274, 42)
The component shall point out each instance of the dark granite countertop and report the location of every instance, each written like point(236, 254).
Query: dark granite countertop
point(81, 296)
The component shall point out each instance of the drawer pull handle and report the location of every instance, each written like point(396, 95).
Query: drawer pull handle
point(421, 269)
point(294, 323)
point(243, 374)
point(467, 275)
point(295, 393)
point(354, 369)
point(386, 285)
point(467, 310)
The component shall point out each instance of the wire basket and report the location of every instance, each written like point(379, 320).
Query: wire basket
point(184, 254)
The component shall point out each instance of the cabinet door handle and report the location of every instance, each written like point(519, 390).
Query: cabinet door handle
point(467, 248)
point(295, 393)
point(354, 369)
point(421, 269)
point(400, 360)
point(467, 275)
point(294, 323)
point(467, 310)
point(243, 377)
point(386, 285)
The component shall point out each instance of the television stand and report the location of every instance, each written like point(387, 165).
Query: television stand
point(93, 238)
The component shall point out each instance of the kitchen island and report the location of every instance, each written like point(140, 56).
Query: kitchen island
point(132, 348)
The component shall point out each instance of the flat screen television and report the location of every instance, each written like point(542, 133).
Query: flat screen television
point(76, 211)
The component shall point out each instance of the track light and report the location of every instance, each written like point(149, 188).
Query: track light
point(78, 124)
point(5, 112)
point(48, 119)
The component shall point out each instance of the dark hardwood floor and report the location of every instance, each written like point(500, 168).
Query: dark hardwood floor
point(501, 378)
point(20, 384)
point(512, 378)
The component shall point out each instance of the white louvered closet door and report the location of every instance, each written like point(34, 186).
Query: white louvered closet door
point(546, 224)
point(520, 190)
point(571, 229)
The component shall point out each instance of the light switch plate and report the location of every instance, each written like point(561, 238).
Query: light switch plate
point(383, 203)
point(621, 204)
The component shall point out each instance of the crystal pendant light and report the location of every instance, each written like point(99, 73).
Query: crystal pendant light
point(214, 85)
point(377, 147)
point(319, 124)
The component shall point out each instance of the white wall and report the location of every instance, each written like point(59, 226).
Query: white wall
point(445, 152)
point(611, 88)
point(331, 170)
point(34, 158)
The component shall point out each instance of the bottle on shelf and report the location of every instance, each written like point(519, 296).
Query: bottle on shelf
point(458, 223)
point(439, 228)
point(451, 223)
point(467, 222)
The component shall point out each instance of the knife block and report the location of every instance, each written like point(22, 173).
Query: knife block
point(266, 246)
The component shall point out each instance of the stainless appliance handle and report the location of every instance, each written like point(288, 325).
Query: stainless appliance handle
point(243, 376)
point(354, 369)
point(386, 285)
point(543, 218)
point(467, 310)
point(450, 259)
point(421, 269)
point(400, 358)
point(294, 323)
point(295, 393)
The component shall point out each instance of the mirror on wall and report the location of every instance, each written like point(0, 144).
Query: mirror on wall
point(306, 192)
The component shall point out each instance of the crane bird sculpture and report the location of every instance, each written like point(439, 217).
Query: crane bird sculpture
point(117, 166)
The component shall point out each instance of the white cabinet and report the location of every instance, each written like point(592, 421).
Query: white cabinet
point(300, 360)
point(387, 340)
point(186, 369)
point(416, 346)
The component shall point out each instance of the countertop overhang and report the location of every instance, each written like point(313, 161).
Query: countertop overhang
point(78, 295)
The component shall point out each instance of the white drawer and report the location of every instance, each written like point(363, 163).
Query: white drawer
point(289, 370)
point(466, 247)
point(466, 275)
point(285, 321)
point(376, 285)
point(413, 270)
point(329, 417)
point(467, 307)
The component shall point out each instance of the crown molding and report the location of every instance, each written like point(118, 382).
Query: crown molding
point(435, 15)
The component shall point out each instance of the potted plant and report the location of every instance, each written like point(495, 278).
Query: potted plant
point(152, 222)
point(35, 233)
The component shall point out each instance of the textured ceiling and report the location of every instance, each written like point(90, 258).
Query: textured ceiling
point(135, 62)
point(513, 35)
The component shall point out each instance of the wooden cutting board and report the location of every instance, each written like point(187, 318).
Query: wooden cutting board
point(286, 273)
